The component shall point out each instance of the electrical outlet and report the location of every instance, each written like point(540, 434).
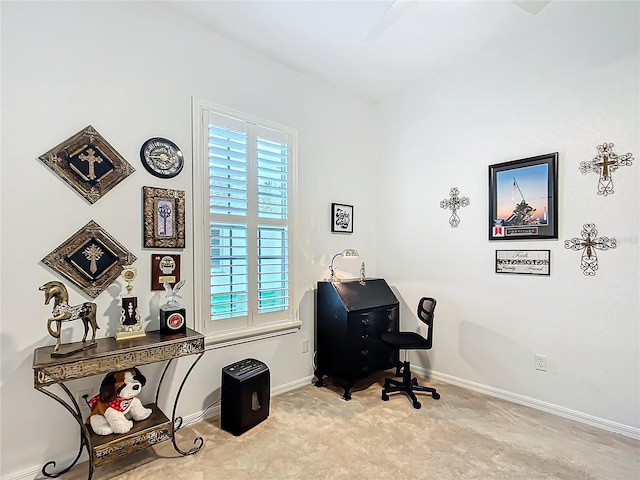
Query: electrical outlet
point(541, 363)
point(305, 345)
point(81, 400)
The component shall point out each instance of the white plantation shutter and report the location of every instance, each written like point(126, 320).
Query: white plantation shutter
point(249, 193)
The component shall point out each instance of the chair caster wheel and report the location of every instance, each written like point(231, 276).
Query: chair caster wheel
point(436, 396)
point(385, 397)
point(417, 405)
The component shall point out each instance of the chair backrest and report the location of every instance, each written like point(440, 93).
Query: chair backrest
point(426, 309)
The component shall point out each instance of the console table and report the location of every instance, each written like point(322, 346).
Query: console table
point(351, 315)
point(111, 355)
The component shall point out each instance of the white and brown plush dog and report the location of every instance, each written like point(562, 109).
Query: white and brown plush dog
point(117, 401)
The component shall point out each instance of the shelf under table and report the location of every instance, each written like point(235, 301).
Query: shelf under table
point(155, 429)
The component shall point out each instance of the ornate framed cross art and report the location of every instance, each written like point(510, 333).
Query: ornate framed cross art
point(88, 163)
point(90, 258)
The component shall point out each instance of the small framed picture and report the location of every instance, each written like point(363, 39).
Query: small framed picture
point(528, 262)
point(341, 218)
point(164, 212)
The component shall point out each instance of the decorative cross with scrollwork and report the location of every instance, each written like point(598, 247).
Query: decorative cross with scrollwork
point(453, 204)
point(604, 164)
point(589, 243)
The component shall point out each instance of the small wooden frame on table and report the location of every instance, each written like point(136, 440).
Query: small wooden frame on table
point(164, 212)
point(527, 262)
point(523, 199)
point(341, 218)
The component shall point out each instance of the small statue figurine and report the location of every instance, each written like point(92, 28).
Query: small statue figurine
point(130, 323)
point(63, 312)
point(172, 314)
point(363, 275)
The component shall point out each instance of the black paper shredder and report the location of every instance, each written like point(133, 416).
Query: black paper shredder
point(246, 391)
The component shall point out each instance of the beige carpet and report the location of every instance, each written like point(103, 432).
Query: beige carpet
point(312, 433)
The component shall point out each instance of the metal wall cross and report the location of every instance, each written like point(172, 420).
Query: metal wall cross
point(453, 204)
point(589, 243)
point(604, 164)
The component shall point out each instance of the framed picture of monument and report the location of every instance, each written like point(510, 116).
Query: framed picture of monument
point(523, 199)
point(164, 211)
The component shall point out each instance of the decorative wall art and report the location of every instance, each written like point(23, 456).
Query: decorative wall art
point(91, 258)
point(88, 163)
point(589, 243)
point(523, 199)
point(161, 157)
point(453, 204)
point(164, 268)
point(341, 218)
point(530, 262)
point(604, 164)
point(163, 218)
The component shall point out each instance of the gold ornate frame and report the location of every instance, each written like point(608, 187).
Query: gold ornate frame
point(164, 213)
point(91, 258)
point(88, 163)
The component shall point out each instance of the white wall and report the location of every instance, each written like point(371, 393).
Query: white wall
point(566, 91)
point(130, 69)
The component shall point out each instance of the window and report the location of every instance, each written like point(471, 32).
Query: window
point(244, 192)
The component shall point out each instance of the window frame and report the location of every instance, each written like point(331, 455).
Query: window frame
point(223, 332)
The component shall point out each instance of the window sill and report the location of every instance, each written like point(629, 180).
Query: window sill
point(235, 337)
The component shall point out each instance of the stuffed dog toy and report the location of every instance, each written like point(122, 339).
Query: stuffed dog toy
point(117, 401)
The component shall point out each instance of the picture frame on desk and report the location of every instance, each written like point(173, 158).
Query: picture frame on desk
point(523, 199)
point(341, 218)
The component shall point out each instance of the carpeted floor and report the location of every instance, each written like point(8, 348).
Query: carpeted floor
point(312, 433)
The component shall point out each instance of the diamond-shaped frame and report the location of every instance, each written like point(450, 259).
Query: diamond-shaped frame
point(90, 258)
point(88, 163)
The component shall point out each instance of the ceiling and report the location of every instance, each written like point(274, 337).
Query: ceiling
point(370, 48)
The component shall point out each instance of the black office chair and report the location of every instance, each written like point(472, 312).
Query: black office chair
point(410, 341)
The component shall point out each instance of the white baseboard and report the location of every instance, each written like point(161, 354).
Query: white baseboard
point(626, 430)
point(615, 427)
point(35, 472)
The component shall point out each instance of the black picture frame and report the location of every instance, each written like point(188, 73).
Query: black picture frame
point(523, 199)
point(341, 218)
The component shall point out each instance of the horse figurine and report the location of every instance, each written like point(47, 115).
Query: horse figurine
point(63, 312)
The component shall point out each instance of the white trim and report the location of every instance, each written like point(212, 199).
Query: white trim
point(603, 423)
point(249, 334)
point(258, 326)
